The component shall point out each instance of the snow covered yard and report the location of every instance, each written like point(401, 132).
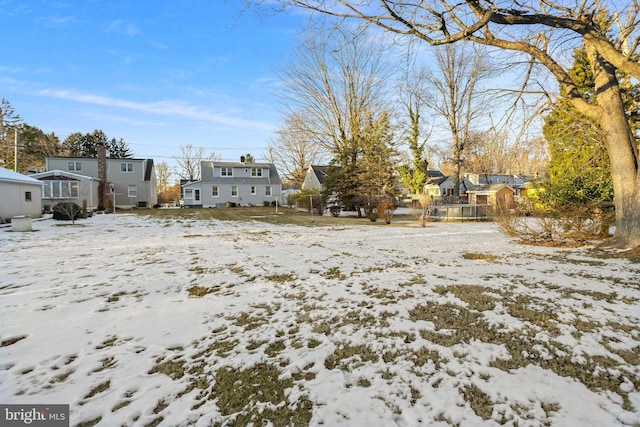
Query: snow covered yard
point(136, 320)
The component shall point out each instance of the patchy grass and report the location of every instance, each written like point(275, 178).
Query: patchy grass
point(98, 389)
point(480, 256)
point(348, 357)
point(11, 341)
point(478, 400)
point(173, 369)
point(258, 396)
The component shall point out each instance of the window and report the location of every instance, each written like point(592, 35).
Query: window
point(74, 166)
point(60, 189)
point(214, 191)
point(234, 191)
point(267, 190)
point(253, 190)
point(256, 171)
point(73, 189)
point(126, 167)
point(197, 195)
point(27, 196)
point(132, 191)
point(46, 189)
point(226, 172)
point(188, 194)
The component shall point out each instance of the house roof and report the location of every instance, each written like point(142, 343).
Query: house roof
point(489, 188)
point(137, 159)
point(320, 172)
point(7, 175)
point(207, 175)
point(438, 180)
point(59, 173)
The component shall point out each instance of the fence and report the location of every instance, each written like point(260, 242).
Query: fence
point(458, 213)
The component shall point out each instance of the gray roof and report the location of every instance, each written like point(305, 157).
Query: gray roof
point(320, 172)
point(206, 173)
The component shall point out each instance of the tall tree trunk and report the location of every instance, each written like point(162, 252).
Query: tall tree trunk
point(623, 151)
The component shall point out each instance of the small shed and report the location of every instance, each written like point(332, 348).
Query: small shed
point(21, 195)
point(497, 195)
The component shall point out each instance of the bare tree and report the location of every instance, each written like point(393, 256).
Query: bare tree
point(414, 98)
point(457, 99)
point(338, 79)
point(188, 163)
point(541, 31)
point(293, 149)
point(163, 174)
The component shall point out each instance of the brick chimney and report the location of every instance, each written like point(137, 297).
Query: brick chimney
point(102, 176)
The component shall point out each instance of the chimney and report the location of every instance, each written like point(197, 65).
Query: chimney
point(242, 159)
point(102, 176)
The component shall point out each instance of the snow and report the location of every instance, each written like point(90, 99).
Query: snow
point(106, 301)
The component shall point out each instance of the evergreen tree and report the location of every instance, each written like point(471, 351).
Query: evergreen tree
point(579, 167)
point(86, 145)
point(362, 173)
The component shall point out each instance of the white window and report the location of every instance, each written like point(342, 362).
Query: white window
point(126, 167)
point(197, 195)
point(267, 190)
point(214, 191)
point(132, 191)
point(188, 194)
point(73, 189)
point(74, 166)
point(256, 171)
point(27, 196)
point(60, 189)
point(253, 190)
point(234, 191)
point(46, 189)
point(226, 171)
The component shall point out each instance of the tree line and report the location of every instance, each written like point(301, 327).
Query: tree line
point(536, 35)
point(30, 145)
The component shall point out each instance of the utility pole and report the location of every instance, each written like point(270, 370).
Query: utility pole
point(15, 153)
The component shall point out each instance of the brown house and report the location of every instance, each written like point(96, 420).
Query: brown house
point(500, 196)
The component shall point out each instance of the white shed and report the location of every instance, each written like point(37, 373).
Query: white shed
point(19, 195)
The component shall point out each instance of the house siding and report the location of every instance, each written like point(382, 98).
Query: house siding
point(87, 189)
point(137, 172)
point(13, 190)
point(243, 177)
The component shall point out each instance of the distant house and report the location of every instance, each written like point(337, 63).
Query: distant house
point(514, 181)
point(131, 181)
point(240, 183)
point(438, 188)
point(501, 196)
point(20, 195)
point(62, 186)
point(314, 180)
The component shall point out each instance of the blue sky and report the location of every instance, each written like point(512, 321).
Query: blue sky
point(157, 73)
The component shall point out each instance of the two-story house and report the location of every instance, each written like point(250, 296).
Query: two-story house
point(129, 182)
point(240, 183)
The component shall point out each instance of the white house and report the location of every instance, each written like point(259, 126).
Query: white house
point(62, 186)
point(240, 183)
point(19, 195)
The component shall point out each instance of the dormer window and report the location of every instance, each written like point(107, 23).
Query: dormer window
point(226, 171)
point(256, 172)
